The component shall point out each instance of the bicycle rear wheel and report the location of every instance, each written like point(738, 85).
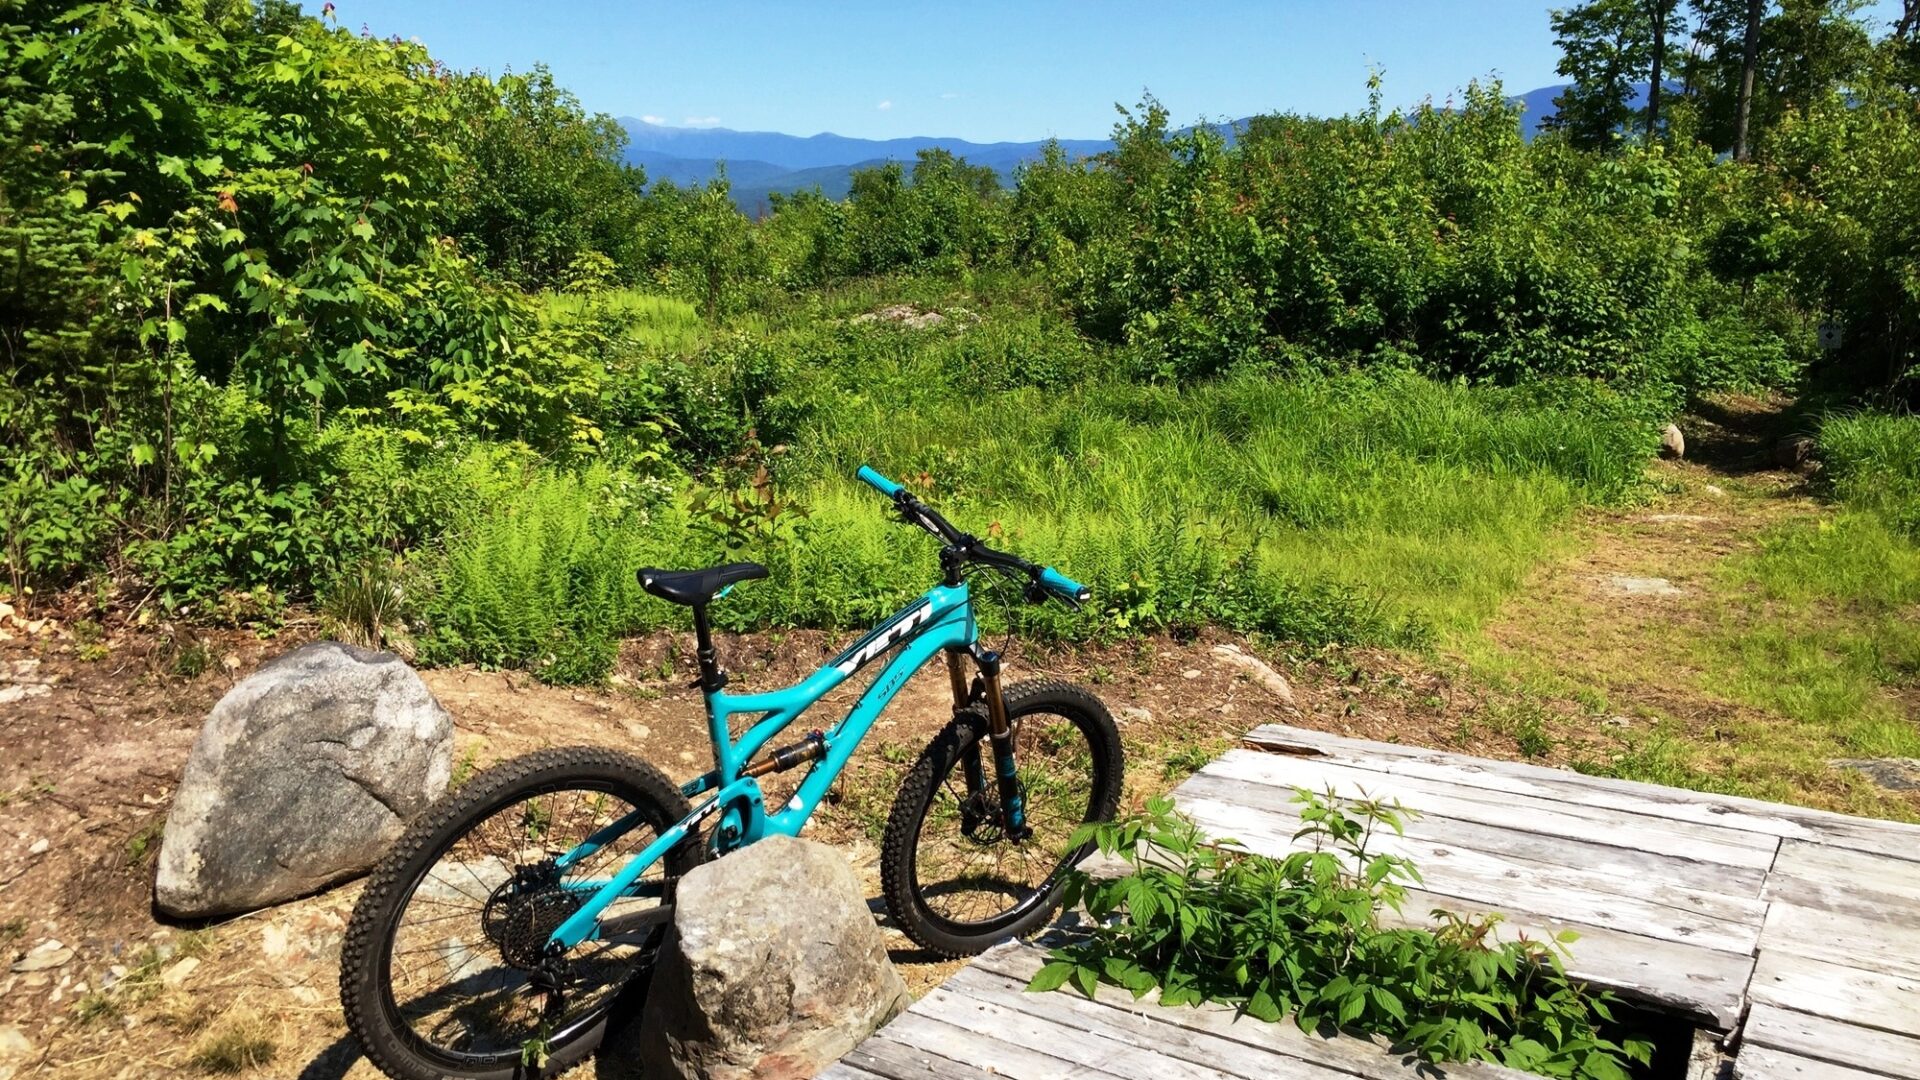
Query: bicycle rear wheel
point(443, 972)
point(955, 882)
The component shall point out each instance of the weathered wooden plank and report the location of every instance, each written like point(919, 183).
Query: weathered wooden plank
point(842, 1071)
point(1729, 924)
point(1109, 1016)
point(1817, 1037)
point(1888, 943)
point(1650, 873)
point(1894, 839)
point(899, 1061)
point(1080, 1039)
point(1286, 1050)
point(1706, 985)
point(1890, 1002)
point(918, 1030)
point(1673, 840)
point(1761, 1063)
point(1843, 880)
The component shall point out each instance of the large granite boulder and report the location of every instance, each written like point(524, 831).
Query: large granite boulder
point(303, 774)
point(774, 969)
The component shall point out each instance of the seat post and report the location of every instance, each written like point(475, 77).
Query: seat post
point(712, 679)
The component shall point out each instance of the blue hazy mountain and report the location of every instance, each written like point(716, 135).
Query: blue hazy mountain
point(1537, 105)
point(759, 163)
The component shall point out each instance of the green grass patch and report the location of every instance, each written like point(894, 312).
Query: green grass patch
point(1873, 463)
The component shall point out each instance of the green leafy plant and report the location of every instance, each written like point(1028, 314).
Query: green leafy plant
point(739, 506)
point(1301, 936)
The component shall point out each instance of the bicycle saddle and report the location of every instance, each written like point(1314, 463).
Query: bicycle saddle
point(695, 587)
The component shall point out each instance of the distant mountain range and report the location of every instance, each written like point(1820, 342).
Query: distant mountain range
point(759, 163)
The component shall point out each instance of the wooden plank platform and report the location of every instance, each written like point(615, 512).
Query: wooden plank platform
point(1793, 934)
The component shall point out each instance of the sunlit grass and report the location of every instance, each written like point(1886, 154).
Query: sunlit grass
point(661, 322)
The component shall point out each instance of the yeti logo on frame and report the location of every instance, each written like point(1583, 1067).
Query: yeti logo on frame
point(882, 637)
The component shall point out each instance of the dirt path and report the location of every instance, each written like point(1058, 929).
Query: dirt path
point(1630, 655)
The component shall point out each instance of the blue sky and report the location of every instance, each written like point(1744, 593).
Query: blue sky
point(984, 71)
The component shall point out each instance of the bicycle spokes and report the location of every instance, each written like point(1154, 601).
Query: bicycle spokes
point(470, 967)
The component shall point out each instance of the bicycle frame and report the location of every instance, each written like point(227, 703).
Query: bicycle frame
point(941, 620)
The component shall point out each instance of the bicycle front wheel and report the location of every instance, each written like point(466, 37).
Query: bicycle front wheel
point(955, 880)
point(443, 972)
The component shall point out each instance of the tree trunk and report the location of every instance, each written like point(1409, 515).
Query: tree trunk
point(1749, 60)
point(1659, 10)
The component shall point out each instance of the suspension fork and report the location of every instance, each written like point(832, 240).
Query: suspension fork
point(1000, 735)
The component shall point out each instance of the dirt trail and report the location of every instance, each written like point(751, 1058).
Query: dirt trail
point(1615, 655)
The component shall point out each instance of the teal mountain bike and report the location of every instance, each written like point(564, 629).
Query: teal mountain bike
point(516, 910)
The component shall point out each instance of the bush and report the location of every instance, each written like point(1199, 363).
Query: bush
point(1873, 463)
point(1301, 936)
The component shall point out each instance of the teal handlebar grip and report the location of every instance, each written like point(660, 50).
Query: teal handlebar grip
point(879, 483)
point(1056, 582)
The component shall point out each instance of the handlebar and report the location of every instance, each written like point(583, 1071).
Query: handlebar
point(1042, 581)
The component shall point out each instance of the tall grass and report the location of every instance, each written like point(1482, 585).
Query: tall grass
point(1873, 463)
point(1379, 509)
point(664, 323)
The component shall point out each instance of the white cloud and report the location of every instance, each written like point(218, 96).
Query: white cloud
point(701, 121)
point(884, 106)
point(654, 120)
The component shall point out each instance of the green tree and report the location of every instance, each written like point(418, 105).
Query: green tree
point(540, 182)
point(1605, 48)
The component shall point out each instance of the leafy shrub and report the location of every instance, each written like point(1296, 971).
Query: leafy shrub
point(1301, 936)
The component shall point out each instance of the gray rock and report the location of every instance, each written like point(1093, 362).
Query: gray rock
point(774, 968)
point(45, 956)
point(1794, 452)
point(1672, 443)
point(1643, 586)
point(303, 774)
point(1893, 774)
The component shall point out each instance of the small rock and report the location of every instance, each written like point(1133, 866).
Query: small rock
point(40, 846)
point(14, 1044)
point(1716, 491)
point(1134, 714)
point(747, 988)
point(13, 692)
point(1643, 586)
point(273, 941)
point(45, 956)
point(1190, 673)
point(1617, 721)
point(177, 974)
point(1794, 452)
point(1672, 443)
point(1257, 670)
